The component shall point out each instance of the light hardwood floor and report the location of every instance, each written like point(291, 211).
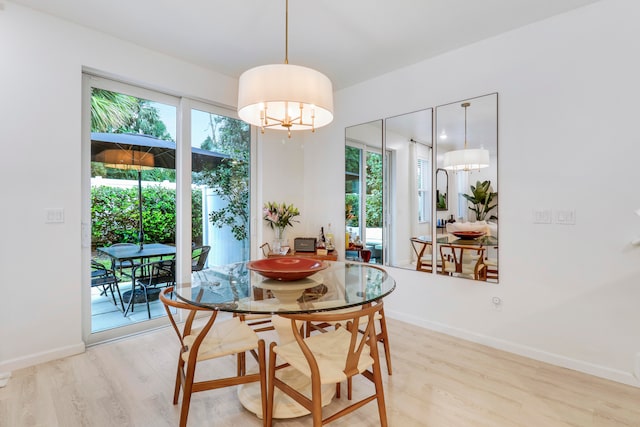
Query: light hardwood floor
point(437, 381)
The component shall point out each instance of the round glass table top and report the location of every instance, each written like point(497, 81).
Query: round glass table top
point(341, 285)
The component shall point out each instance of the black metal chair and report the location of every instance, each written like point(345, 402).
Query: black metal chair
point(105, 278)
point(127, 264)
point(147, 279)
point(199, 255)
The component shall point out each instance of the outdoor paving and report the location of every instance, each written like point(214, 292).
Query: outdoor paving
point(105, 315)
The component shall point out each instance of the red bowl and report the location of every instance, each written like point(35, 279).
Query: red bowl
point(287, 268)
point(468, 235)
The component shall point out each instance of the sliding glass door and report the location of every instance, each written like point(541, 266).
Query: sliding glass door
point(142, 209)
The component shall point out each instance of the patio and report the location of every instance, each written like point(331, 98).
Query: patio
point(105, 315)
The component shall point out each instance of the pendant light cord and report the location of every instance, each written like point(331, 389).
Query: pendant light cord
point(286, 33)
point(465, 105)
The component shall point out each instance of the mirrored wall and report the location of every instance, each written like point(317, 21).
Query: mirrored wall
point(425, 196)
point(364, 193)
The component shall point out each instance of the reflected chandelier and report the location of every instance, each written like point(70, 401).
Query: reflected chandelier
point(285, 97)
point(468, 158)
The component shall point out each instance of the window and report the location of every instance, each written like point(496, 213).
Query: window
point(423, 175)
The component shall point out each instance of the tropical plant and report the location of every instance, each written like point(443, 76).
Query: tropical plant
point(482, 199)
point(230, 180)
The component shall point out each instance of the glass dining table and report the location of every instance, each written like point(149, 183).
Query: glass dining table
point(340, 286)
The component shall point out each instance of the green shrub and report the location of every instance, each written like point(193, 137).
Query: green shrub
point(114, 215)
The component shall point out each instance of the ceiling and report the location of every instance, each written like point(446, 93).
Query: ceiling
point(348, 40)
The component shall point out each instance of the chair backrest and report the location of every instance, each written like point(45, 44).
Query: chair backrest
point(155, 272)
point(362, 333)
point(199, 256)
point(193, 310)
point(101, 274)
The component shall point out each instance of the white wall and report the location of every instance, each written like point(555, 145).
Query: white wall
point(568, 89)
point(568, 93)
point(40, 133)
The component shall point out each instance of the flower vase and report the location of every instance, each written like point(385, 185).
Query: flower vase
point(280, 241)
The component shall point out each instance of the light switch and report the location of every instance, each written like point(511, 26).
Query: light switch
point(54, 215)
point(542, 216)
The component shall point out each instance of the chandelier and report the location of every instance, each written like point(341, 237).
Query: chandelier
point(284, 96)
point(468, 158)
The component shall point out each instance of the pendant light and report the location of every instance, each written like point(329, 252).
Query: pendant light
point(284, 96)
point(468, 158)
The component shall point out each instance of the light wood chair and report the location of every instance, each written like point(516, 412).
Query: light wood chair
point(230, 337)
point(329, 358)
point(464, 261)
point(424, 254)
point(380, 329)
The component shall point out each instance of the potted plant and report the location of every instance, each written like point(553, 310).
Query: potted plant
point(482, 199)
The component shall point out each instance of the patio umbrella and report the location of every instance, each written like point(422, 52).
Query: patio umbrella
point(140, 152)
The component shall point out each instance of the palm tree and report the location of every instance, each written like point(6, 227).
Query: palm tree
point(111, 110)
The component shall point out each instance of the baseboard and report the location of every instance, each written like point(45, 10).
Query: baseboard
point(533, 353)
point(43, 357)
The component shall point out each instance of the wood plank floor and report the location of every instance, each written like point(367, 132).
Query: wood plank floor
point(437, 381)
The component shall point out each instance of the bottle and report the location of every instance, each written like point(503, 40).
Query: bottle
point(330, 240)
point(321, 240)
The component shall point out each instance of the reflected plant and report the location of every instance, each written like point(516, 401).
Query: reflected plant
point(482, 199)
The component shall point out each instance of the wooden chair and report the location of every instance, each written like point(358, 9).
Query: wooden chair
point(464, 261)
point(230, 337)
point(329, 358)
point(380, 331)
point(492, 265)
point(424, 254)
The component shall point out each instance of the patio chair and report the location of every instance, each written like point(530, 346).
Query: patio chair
point(148, 279)
point(329, 358)
point(229, 337)
point(199, 255)
point(127, 264)
point(105, 278)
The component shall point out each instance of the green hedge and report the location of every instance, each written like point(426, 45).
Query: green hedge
point(114, 215)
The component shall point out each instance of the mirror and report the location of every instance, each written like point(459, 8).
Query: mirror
point(363, 193)
point(408, 175)
point(442, 189)
point(467, 148)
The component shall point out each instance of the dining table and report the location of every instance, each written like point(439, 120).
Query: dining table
point(339, 286)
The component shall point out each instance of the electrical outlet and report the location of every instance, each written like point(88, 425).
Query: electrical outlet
point(496, 303)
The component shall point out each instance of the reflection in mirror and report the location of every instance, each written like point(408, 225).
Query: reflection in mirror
point(467, 147)
point(408, 173)
point(363, 193)
point(442, 189)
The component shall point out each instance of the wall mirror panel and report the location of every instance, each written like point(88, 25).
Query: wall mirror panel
point(467, 148)
point(408, 179)
point(364, 193)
